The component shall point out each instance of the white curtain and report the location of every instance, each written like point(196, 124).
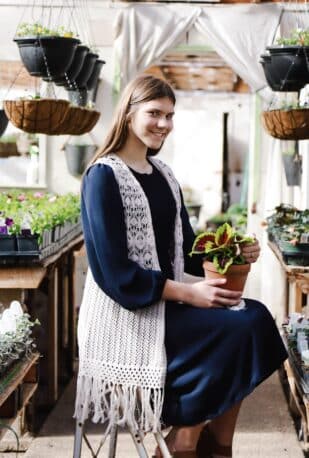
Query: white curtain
point(144, 34)
point(240, 34)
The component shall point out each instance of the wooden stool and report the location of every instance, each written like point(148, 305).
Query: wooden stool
point(137, 436)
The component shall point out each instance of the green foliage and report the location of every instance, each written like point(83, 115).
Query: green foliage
point(27, 29)
point(14, 345)
point(37, 211)
point(287, 223)
point(298, 37)
point(222, 247)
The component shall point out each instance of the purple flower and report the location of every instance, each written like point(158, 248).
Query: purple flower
point(25, 231)
point(3, 230)
point(9, 222)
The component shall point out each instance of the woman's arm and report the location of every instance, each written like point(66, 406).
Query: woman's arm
point(205, 293)
point(105, 237)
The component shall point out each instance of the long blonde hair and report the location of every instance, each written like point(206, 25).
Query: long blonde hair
point(142, 89)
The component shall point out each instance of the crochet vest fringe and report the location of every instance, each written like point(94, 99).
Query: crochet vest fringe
point(122, 359)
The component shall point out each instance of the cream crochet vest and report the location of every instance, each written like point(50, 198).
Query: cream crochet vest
point(122, 360)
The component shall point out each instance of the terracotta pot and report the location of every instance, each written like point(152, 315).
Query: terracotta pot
point(236, 275)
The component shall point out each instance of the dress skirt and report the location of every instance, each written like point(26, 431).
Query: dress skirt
point(216, 357)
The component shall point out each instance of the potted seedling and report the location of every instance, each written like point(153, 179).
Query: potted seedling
point(45, 52)
point(285, 64)
point(222, 257)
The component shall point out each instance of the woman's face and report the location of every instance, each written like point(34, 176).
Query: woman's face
point(152, 121)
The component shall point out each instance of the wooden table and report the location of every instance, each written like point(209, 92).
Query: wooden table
point(58, 272)
point(297, 282)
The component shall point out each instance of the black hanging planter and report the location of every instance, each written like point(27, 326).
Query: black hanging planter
point(75, 67)
point(86, 70)
point(47, 56)
point(94, 77)
point(3, 122)
point(286, 68)
point(293, 169)
point(77, 157)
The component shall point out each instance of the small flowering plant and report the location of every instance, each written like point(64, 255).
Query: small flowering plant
point(222, 247)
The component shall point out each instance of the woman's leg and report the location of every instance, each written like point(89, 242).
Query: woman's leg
point(223, 427)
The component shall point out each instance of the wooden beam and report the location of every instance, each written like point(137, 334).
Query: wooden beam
point(21, 277)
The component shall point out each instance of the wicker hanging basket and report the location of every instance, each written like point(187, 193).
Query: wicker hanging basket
point(73, 119)
point(90, 121)
point(40, 116)
point(287, 124)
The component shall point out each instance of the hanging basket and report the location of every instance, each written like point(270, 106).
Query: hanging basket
point(287, 124)
point(40, 116)
point(77, 157)
point(47, 56)
point(90, 121)
point(286, 68)
point(77, 121)
point(293, 169)
point(75, 67)
point(86, 70)
point(95, 74)
point(3, 122)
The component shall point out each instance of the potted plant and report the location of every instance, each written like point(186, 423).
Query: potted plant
point(221, 252)
point(45, 52)
point(285, 64)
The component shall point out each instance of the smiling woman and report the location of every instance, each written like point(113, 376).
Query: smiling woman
point(149, 343)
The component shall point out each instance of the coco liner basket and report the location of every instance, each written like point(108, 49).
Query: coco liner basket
point(236, 275)
point(36, 116)
point(287, 124)
point(77, 121)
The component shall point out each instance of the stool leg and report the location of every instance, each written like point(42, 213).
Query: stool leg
point(162, 445)
point(78, 439)
point(138, 442)
point(113, 441)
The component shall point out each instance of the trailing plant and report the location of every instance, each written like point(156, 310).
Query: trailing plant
point(222, 247)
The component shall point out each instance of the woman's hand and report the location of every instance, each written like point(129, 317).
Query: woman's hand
point(251, 251)
point(211, 293)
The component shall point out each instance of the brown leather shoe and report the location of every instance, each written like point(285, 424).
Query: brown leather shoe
point(207, 445)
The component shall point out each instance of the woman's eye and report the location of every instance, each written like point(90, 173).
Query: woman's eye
point(154, 113)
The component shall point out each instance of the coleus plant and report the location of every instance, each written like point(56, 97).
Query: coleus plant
point(222, 247)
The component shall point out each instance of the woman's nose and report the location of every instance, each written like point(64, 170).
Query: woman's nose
point(164, 123)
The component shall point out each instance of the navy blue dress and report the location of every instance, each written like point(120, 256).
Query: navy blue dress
point(215, 356)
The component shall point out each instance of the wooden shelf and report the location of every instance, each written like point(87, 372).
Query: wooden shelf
point(15, 376)
point(291, 270)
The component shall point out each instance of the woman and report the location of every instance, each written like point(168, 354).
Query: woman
point(147, 339)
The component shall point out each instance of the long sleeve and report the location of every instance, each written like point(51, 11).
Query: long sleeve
point(192, 264)
point(106, 243)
